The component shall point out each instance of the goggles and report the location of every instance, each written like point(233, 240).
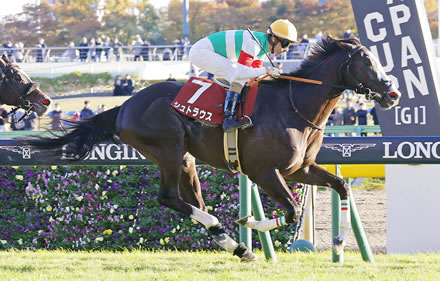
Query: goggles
point(284, 42)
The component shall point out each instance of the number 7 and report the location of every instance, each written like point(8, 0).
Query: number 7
point(199, 92)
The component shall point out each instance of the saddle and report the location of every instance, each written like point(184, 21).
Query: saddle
point(202, 100)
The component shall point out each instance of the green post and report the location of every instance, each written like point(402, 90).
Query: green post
point(266, 240)
point(245, 209)
point(336, 216)
point(336, 210)
point(359, 232)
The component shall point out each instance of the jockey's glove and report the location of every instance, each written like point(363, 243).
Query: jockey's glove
point(273, 71)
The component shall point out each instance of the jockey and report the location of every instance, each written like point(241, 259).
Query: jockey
point(235, 56)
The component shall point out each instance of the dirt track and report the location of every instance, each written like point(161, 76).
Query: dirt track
point(372, 210)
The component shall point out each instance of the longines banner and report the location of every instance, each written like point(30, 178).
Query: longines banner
point(335, 150)
point(397, 31)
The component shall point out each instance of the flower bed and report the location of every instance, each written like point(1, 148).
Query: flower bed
point(114, 208)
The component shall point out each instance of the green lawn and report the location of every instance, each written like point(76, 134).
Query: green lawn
point(144, 265)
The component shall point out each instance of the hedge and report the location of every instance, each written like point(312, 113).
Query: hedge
point(114, 208)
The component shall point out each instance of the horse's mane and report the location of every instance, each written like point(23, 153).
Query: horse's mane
point(320, 51)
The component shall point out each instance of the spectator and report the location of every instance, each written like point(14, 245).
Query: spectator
point(167, 54)
point(83, 51)
point(145, 51)
point(17, 123)
point(8, 47)
point(137, 48)
point(348, 34)
point(374, 115)
point(18, 52)
point(118, 90)
point(56, 115)
point(98, 50)
point(3, 118)
point(92, 49)
point(71, 52)
point(117, 48)
point(30, 122)
point(280, 67)
point(107, 47)
point(349, 114)
point(318, 36)
point(101, 108)
point(305, 39)
point(86, 112)
point(181, 49)
point(338, 117)
point(192, 71)
point(361, 116)
point(127, 85)
point(41, 50)
point(171, 78)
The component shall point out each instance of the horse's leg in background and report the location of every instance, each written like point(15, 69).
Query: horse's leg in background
point(189, 185)
point(274, 184)
point(315, 175)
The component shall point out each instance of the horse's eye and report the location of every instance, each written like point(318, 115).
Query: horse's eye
point(17, 78)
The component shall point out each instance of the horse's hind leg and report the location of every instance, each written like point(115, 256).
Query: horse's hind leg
point(189, 184)
point(315, 175)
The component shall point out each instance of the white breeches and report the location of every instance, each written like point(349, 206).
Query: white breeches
point(203, 56)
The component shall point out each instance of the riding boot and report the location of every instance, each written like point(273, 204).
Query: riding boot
point(230, 121)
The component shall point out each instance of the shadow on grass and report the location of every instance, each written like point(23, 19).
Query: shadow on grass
point(24, 268)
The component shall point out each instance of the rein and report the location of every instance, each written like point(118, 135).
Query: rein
point(360, 88)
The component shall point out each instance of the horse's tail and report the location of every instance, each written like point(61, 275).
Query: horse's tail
point(81, 136)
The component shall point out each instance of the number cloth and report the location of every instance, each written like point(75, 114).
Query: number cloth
point(203, 99)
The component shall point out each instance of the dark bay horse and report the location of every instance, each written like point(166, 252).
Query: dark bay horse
point(17, 89)
point(281, 146)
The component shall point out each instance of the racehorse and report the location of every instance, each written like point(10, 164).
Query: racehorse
point(281, 146)
point(17, 89)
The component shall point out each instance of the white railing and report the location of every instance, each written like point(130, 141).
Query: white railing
point(122, 53)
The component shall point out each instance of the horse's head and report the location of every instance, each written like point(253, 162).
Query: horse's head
point(363, 71)
point(17, 89)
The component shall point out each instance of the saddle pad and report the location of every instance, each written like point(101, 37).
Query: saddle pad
point(203, 100)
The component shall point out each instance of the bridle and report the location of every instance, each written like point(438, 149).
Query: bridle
point(8, 76)
point(344, 72)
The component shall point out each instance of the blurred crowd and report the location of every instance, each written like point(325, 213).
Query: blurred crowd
point(99, 49)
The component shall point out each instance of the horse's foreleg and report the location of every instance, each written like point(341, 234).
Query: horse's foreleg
point(315, 175)
point(274, 184)
point(263, 225)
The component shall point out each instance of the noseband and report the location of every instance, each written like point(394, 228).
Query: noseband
point(10, 78)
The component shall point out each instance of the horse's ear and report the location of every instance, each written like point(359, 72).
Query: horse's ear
point(5, 58)
point(2, 63)
point(330, 38)
point(344, 45)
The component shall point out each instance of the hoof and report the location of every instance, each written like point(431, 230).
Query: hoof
point(338, 245)
point(243, 221)
point(244, 253)
point(248, 257)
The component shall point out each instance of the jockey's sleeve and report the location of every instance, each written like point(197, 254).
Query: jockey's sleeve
point(248, 66)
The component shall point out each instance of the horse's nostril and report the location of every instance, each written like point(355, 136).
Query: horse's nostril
point(45, 102)
point(394, 95)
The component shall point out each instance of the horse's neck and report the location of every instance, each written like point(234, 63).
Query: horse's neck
point(313, 101)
